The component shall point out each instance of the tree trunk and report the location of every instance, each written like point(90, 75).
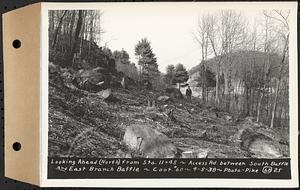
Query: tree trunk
point(279, 117)
point(226, 83)
point(217, 99)
point(275, 103)
point(57, 29)
point(251, 101)
point(82, 34)
point(226, 91)
point(205, 84)
point(217, 85)
point(51, 23)
point(91, 32)
point(266, 71)
point(247, 101)
point(202, 81)
point(259, 104)
point(269, 98)
point(76, 37)
point(71, 29)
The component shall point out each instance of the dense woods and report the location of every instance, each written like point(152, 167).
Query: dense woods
point(240, 85)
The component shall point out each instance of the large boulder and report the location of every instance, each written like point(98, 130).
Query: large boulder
point(92, 79)
point(199, 153)
point(150, 142)
point(263, 148)
point(107, 95)
point(257, 143)
point(163, 98)
point(174, 93)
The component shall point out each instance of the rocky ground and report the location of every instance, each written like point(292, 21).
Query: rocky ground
point(137, 122)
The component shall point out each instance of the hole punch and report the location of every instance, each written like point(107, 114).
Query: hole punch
point(17, 146)
point(16, 44)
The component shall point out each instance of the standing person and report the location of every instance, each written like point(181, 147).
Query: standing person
point(188, 93)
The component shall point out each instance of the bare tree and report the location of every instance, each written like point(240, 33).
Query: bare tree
point(202, 37)
point(216, 45)
point(233, 36)
point(94, 27)
point(266, 66)
point(51, 22)
point(76, 35)
point(58, 28)
point(71, 28)
point(282, 18)
point(278, 83)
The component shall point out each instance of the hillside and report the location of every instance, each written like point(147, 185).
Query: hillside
point(241, 60)
point(85, 124)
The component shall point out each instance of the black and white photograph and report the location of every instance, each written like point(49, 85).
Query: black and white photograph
point(169, 82)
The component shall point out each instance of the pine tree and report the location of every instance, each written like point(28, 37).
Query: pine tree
point(181, 74)
point(123, 64)
point(170, 75)
point(209, 78)
point(121, 56)
point(146, 60)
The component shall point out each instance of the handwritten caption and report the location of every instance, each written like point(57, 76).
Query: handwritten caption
point(187, 168)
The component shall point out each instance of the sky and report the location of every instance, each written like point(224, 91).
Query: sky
point(170, 29)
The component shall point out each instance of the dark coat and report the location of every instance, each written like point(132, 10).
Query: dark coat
point(188, 92)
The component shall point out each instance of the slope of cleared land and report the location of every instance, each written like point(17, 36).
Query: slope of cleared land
point(84, 124)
